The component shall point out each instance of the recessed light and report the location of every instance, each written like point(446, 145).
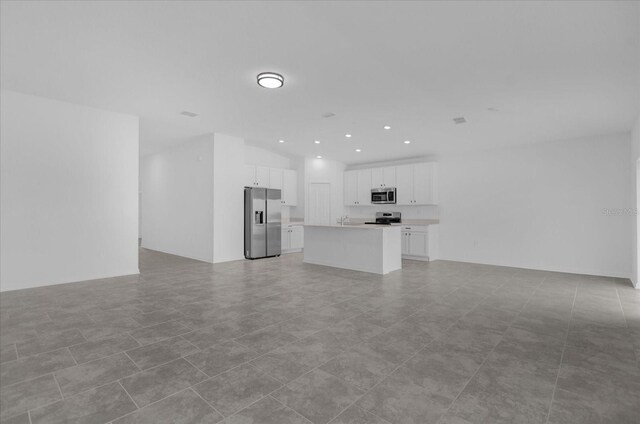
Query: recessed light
point(318, 157)
point(317, 141)
point(280, 141)
point(348, 135)
point(387, 127)
point(358, 150)
point(407, 142)
point(270, 80)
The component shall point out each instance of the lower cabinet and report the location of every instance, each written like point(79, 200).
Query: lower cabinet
point(292, 238)
point(415, 243)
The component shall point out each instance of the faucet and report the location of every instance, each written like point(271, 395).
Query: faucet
point(343, 219)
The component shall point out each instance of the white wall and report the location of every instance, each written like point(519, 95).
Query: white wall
point(177, 199)
point(69, 192)
point(228, 198)
point(540, 206)
point(254, 155)
point(325, 171)
point(635, 202)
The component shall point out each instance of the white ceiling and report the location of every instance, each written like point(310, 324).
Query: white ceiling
point(553, 70)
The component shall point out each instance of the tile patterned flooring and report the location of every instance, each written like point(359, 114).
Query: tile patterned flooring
point(278, 341)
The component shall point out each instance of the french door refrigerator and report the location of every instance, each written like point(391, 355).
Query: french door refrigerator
point(262, 222)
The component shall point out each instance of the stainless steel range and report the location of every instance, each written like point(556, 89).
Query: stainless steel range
point(387, 218)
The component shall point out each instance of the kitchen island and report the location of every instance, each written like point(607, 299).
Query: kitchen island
point(369, 248)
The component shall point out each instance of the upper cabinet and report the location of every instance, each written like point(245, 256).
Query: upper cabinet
point(416, 184)
point(383, 177)
point(285, 180)
point(289, 187)
point(256, 176)
point(357, 187)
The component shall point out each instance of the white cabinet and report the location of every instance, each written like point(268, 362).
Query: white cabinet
point(350, 188)
point(357, 187)
point(417, 184)
point(404, 186)
point(292, 238)
point(383, 177)
point(290, 188)
point(256, 176)
point(415, 243)
point(285, 180)
point(425, 183)
point(275, 178)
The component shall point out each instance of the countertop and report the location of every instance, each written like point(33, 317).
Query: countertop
point(356, 226)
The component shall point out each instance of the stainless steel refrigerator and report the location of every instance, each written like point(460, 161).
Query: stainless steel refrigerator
point(262, 222)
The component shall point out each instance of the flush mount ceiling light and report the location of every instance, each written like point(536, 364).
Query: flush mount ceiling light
point(358, 150)
point(348, 135)
point(387, 127)
point(270, 80)
point(317, 142)
point(318, 157)
point(189, 114)
point(407, 142)
point(280, 141)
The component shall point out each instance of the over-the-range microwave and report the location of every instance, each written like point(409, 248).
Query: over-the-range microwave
point(384, 196)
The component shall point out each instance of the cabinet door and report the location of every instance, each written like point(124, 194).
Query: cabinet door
point(249, 176)
point(423, 184)
point(404, 185)
point(290, 187)
point(377, 178)
point(364, 187)
point(418, 244)
point(405, 243)
point(284, 239)
point(275, 178)
point(350, 188)
point(262, 176)
point(296, 240)
point(389, 176)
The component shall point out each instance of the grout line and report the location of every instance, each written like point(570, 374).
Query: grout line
point(564, 348)
point(72, 357)
point(205, 401)
point(636, 352)
point(58, 384)
point(130, 397)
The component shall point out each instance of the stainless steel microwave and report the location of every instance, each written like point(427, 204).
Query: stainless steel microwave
point(384, 196)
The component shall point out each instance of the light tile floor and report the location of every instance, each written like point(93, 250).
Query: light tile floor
point(277, 341)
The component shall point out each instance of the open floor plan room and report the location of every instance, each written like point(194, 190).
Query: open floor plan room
point(319, 212)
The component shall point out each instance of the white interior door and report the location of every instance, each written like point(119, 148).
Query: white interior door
point(319, 204)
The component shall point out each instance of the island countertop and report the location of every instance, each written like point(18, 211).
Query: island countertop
point(355, 226)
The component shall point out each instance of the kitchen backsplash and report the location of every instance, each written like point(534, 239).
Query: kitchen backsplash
point(408, 212)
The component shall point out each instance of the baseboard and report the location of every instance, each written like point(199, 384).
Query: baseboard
point(170, 252)
point(73, 280)
point(565, 270)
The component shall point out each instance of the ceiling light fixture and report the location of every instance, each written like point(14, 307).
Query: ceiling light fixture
point(348, 135)
point(280, 141)
point(387, 127)
point(318, 157)
point(317, 142)
point(358, 150)
point(189, 114)
point(459, 120)
point(407, 142)
point(270, 80)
